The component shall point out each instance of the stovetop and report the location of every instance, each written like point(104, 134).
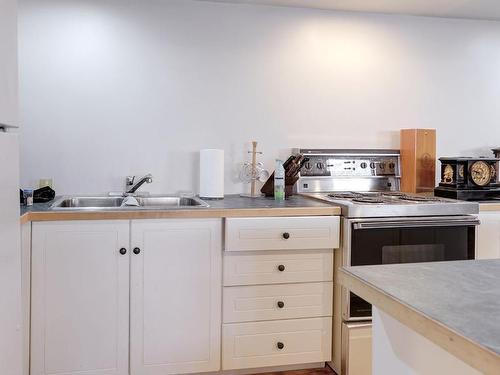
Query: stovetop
point(395, 204)
point(389, 197)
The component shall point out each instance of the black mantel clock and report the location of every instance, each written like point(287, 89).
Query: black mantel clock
point(468, 178)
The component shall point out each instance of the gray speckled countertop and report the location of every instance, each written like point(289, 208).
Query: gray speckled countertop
point(230, 206)
point(37, 207)
point(462, 295)
point(231, 202)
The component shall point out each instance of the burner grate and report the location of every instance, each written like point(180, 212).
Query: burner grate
point(368, 200)
point(393, 194)
point(345, 195)
point(416, 198)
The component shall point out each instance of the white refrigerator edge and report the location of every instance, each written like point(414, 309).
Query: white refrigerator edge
point(10, 258)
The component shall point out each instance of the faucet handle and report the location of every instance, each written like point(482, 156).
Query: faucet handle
point(129, 180)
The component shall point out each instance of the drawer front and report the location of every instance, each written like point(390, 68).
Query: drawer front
point(282, 233)
point(276, 267)
point(271, 302)
point(276, 343)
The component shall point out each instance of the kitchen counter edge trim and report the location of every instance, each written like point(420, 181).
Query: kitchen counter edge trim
point(180, 213)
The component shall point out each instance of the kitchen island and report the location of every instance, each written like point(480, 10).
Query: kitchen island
point(432, 318)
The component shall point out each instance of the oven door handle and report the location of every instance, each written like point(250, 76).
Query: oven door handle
point(416, 223)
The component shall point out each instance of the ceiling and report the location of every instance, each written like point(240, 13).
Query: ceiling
point(473, 9)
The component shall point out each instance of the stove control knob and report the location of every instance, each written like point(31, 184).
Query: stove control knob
point(372, 165)
point(391, 165)
point(363, 165)
point(319, 165)
point(382, 166)
point(307, 165)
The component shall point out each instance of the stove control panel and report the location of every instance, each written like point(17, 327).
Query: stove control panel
point(328, 170)
point(350, 166)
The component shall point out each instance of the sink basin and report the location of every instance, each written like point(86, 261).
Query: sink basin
point(88, 202)
point(170, 202)
point(115, 203)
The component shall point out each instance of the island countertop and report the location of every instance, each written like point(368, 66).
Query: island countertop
point(456, 304)
point(230, 206)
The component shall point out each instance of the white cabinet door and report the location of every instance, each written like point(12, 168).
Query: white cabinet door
point(357, 347)
point(26, 293)
point(175, 301)
point(488, 239)
point(80, 298)
point(8, 62)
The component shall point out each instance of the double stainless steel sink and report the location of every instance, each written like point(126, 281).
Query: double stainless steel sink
point(150, 202)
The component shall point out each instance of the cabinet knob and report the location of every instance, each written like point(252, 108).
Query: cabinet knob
point(281, 304)
point(286, 235)
point(123, 251)
point(136, 250)
point(281, 268)
point(280, 345)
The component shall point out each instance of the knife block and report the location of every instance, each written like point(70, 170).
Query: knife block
point(268, 188)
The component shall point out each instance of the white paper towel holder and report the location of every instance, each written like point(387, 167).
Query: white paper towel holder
point(211, 174)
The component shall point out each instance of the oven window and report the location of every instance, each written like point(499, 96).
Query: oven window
point(392, 254)
point(411, 245)
point(406, 245)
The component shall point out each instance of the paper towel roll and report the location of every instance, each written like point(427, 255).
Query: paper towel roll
point(212, 173)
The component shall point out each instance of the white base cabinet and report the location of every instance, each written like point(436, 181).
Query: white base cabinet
point(176, 296)
point(88, 275)
point(80, 298)
point(144, 297)
point(488, 238)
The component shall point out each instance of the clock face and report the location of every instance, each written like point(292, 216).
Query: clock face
point(480, 173)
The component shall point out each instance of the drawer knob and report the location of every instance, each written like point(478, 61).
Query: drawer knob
point(281, 268)
point(136, 250)
point(280, 345)
point(123, 251)
point(286, 235)
point(281, 304)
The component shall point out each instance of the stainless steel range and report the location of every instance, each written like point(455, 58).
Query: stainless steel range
point(365, 183)
point(380, 225)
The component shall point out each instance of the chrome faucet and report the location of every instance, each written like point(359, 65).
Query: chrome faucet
point(131, 187)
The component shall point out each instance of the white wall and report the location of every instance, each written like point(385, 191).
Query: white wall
point(117, 87)
point(8, 63)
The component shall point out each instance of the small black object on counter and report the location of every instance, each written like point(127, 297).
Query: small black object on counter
point(43, 195)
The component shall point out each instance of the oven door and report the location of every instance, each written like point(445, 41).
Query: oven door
point(403, 240)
